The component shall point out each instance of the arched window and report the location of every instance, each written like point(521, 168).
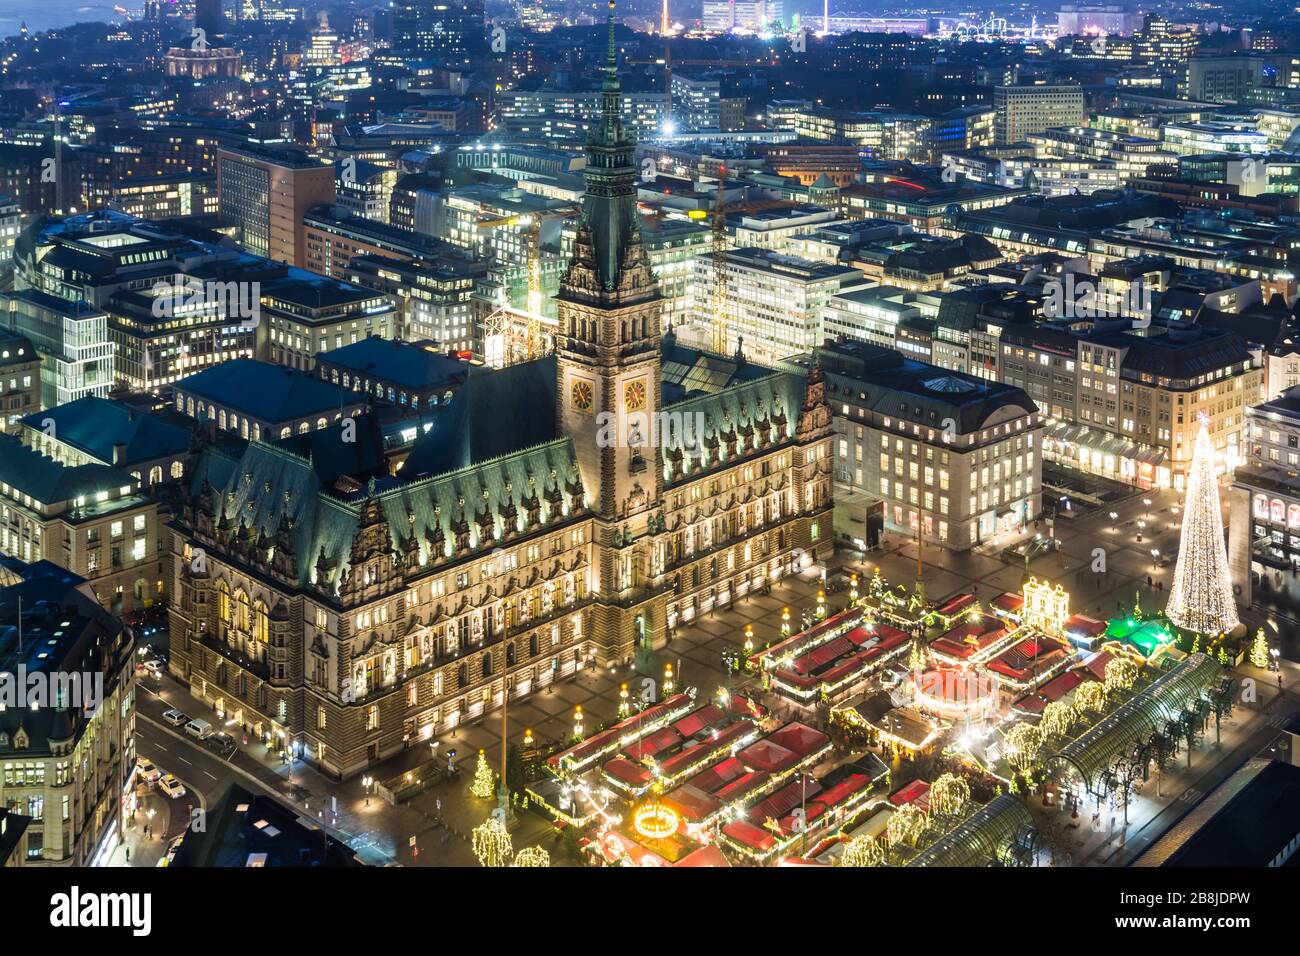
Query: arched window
point(487, 665)
point(510, 654)
point(243, 619)
point(261, 624)
point(155, 475)
point(321, 422)
point(223, 602)
point(284, 432)
point(532, 644)
point(178, 469)
point(303, 428)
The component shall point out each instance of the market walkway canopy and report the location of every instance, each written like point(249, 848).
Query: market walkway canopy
point(1114, 738)
point(983, 838)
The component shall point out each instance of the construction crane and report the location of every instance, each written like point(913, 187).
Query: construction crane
point(720, 265)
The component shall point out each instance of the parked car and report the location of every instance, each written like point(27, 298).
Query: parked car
point(170, 785)
point(175, 717)
point(221, 743)
point(147, 770)
point(198, 728)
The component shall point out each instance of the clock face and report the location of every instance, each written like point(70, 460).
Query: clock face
point(581, 394)
point(634, 395)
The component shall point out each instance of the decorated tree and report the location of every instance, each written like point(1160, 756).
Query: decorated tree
point(532, 856)
point(491, 843)
point(1259, 650)
point(949, 795)
point(906, 826)
point(1058, 720)
point(1121, 675)
point(484, 784)
point(1024, 742)
point(864, 851)
point(1090, 698)
point(1201, 598)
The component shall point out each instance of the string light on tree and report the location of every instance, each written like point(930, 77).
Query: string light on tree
point(491, 843)
point(1201, 598)
point(532, 856)
point(482, 786)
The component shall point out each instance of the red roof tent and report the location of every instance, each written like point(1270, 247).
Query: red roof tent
point(742, 786)
point(1097, 665)
point(746, 834)
point(697, 720)
point(1052, 691)
point(707, 855)
point(593, 744)
point(873, 646)
point(1029, 655)
point(718, 776)
point(1087, 626)
point(692, 805)
point(968, 638)
point(663, 739)
point(632, 774)
point(799, 738)
point(765, 755)
point(693, 752)
point(1008, 601)
point(955, 605)
point(915, 792)
point(778, 805)
point(793, 643)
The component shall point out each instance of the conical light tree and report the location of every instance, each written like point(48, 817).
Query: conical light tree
point(1201, 599)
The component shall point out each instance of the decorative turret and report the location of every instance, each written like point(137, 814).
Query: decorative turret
point(815, 417)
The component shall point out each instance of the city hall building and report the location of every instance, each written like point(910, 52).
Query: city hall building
point(558, 514)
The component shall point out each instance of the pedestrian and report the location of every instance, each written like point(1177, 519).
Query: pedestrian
point(128, 856)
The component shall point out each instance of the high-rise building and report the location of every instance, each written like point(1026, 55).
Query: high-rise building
point(1021, 110)
point(443, 29)
point(209, 18)
point(265, 193)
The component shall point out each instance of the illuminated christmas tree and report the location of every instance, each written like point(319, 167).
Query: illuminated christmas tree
point(1259, 650)
point(1201, 599)
point(483, 785)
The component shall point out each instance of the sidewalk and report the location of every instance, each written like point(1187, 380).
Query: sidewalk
point(164, 817)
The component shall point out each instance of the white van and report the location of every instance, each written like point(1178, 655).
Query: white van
point(198, 728)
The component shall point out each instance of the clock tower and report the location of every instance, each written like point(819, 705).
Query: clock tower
point(608, 387)
point(608, 343)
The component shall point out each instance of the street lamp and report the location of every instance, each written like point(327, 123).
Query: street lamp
point(821, 604)
point(749, 639)
point(1113, 516)
point(1155, 559)
point(785, 622)
point(528, 737)
point(366, 781)
point(853, 589)
point(577, 721)
point(1147, 503)
point(1142, 526)
point(624, 708)
point(668, 680)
